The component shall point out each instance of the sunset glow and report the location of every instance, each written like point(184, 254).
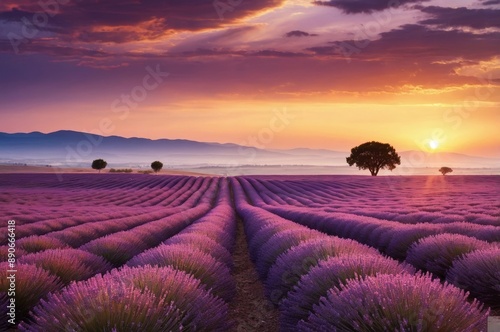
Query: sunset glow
point(433, 145)
point(420, 75)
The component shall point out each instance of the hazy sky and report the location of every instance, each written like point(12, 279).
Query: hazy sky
point(278, 74)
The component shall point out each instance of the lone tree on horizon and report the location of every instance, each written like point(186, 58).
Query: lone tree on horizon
point(99, 164)
point(374, 156)
point(445, 170)
point(156, 166)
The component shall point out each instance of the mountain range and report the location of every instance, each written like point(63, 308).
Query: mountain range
point(77, 149)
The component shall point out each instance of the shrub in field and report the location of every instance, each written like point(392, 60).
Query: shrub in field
point(479, 274)
point(332, 273)
point(219, 235)
point(156, 166)
point(378, 236)
point(101, 305)
point(396, 303)
point(445, 170)
point(280, 243)
point(35, 243)
point(488, 233)
point(4, 253)
point(435, 254)
point(68, 264)
point(402, 239)
point(124, 170)
point(203, 243)
point(260, 237)
point(199, 308)
point(32, 284)
point(116, 249)
point(99, 164)
point(215, 275)
point(293, 264)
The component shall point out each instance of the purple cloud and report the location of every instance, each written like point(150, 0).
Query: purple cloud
point(462, 17)
point(298, 33)
point(364, 6)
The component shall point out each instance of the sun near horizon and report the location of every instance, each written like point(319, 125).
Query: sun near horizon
point(420, 75)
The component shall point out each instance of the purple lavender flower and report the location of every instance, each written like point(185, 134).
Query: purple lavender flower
point(198, 307)
point(263, 235)
point(4, 253)
point(396, 303)
point(331, 273)
point(203, 243)
point(479, 273)
point(280, 243)
point(35, 243)
point(101, 305)
point(291, 265)
point(215, 275)
point(68, 264)
point(435, 254)
point(32, 284)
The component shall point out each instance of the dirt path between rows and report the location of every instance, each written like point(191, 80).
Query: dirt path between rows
point(250, 309)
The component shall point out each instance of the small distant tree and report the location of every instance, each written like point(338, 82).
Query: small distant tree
point(374, 156)
point(445, 170)
point(99, 164)
point(156, 166)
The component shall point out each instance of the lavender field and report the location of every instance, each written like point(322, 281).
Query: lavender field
point(114, 252)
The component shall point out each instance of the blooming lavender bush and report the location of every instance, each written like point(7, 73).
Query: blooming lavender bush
point(68, 264)
point(436, 253)
point(35, 243)
point(101, 305)
point(4, 253)
point(215, 275)
point(331, 273)
point(219, 235)
point(259, 238)
point(116, 249)
point(203, 243)
point(32, 284)
point(403, 238)
point(199, 308)
point(291, 265)
point(479, 273)
point(280, 243)
point(396, 303)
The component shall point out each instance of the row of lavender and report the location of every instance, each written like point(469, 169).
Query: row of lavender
point(325, 283)
point(469, 262)
point(50, 262)
point(71, 219)
point(78, 230)
point(50, 207)
point(184, 283)
point(57, 263)
point(402, 199)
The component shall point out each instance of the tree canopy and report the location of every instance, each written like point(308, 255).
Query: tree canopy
point(156, 166)
point(445, 170)
point(99, 164)
point(374, 156)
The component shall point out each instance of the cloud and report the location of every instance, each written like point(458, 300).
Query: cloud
point(298, 33)
point(491, 2)
point(417, 43)
point(365, 6)
point(119, 21)
point(462, 17)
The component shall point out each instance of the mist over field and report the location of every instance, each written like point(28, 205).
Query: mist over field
point(76, 149)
